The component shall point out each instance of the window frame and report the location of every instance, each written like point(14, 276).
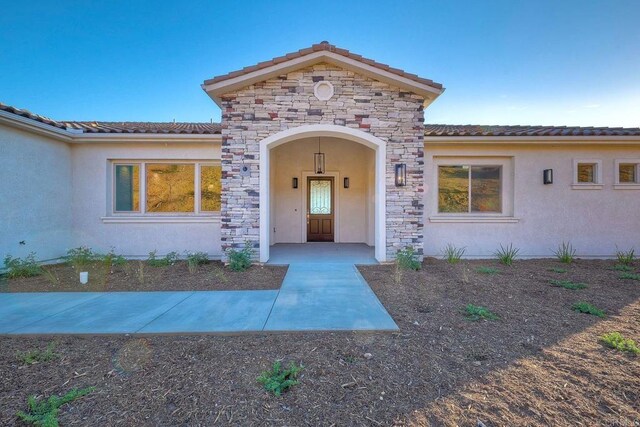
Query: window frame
point(597, 185)
point(142, 170)
point(626, 185)
point(506, 165)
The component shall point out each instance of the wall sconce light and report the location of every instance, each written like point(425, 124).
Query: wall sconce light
point(346, 182)
point(294, 182)
point(547, 176)
point(401, 175)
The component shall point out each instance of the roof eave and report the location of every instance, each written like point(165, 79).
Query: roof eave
point(215, 90)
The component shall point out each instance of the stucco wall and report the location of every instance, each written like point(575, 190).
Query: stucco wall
point(91, 188)
point(594, 221)
point(35, 189)
point(354, 224)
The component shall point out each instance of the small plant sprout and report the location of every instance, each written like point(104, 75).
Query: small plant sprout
point(240, 260)
point(22, 267)
point(407, 259)
point(452, 254)
point(487, 270)
point(622, 267)
point(625, 257)
point(567, 284)
point(585, 307)
point(476, 312)
point(506, 255)
point(37, 356)
point(616, 341)
point(196, 259)
point(278, 380)
point(558, 270)
point(565, 253)
point(44, 413)
point(169, 259)
point(629, 276)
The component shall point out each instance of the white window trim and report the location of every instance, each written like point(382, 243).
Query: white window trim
point(506, 188)
point(141, 216)
point(587, 185)
point(626, 185)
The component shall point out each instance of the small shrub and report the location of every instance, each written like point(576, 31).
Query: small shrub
point(625, 257)
point(452, 254)
point(36, 356)
point(622, 267)
point(111, 258)
point(487, 270)
point(558, 270)
point(51, 276)
point(565, 253)
point(22, 267)
point(629, 276)
point(195, 259)
point(169, 259)
point(507, 255)
point(279, 380)
point(567, 284)
point(407, 259)
point(240, 260)
point(44, 413)
point(476, 312)
point(585, 307)
point(79, 258)
point(617, 341)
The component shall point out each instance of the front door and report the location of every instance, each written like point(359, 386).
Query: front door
point(320, 209)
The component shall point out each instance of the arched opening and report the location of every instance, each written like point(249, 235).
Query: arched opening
point(359, 211)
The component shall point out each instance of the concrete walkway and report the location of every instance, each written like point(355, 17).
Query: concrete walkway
point(314, 296)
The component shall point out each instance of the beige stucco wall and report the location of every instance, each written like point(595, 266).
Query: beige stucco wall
point(35, 195)
point(594, 221)
point(91, 189)
point(354, 213)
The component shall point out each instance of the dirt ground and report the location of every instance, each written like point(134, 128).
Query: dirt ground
point(140, 276)
point(539, 364)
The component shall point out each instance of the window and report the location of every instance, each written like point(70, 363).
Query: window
point(587, 174)
point(627, 174)
point(183, 188)
point(470, 189)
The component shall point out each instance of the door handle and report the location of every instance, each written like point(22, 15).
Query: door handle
point(307, 217)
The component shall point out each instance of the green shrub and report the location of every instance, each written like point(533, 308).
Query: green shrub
point(617, 341)
point(22, 267)
point(36, 356)
point(585, 307)
point(452, 254)
point(507, 255)
point(558, 270)
point(476, 312)
point(111, 258)
point(240, 260)
point(407, 259)
point(169, 259)
point(625, 257)
point(567, 284)
point(196, 259)
point(487, 270)
point(279, 380)
point(630, 276)
point(622, 267)
point(79, 258)
point(565, 253)
point(44, 413)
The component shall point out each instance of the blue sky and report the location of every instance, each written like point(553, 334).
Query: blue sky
point(502, 62)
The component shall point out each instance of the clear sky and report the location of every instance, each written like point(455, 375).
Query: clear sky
point(549, 62)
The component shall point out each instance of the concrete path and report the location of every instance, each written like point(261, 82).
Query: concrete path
point(315, 296)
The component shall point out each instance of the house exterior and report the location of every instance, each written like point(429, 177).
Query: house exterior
point(317, 145)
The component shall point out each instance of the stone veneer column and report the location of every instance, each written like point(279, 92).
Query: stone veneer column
point(263, 109)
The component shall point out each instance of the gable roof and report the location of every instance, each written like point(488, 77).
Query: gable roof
point(320, 52)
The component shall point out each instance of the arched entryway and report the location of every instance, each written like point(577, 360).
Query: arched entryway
point(328, 132)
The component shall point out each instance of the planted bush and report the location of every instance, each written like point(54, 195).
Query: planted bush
point(169, 259)
point(585, 307)
point(476, 312)
point(487, 270)
point(625, 257)
point(81, 257)
point(565, 253)
point(452, 254)
point(616, 341)
point(44, 413)
point(507, 255)
point(629, 276)
point(240, 260)
point(22, 267)
point(567, 284)
point(278, 380)
point(196, 259)
point(407, 259)
point(37, 356)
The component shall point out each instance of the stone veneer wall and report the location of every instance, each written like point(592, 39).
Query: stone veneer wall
point(263, 109)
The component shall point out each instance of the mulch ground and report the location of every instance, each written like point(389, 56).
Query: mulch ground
point(140, 276)
point(539, 364)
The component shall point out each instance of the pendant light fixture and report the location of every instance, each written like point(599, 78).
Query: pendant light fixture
point(318, 160)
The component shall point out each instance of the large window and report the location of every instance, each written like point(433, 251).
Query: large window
point(166, 187)
point(469, 189)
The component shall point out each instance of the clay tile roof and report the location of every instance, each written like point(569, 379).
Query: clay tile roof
point(324, 46)
point(145, 127)
point(29, 115)
point(479, 130)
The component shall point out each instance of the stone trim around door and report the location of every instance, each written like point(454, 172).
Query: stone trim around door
point(326, 130)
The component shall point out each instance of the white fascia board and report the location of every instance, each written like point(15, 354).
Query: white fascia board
point(216, 90)
point(518, 140)
point(34, 126)
point(87, 138)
